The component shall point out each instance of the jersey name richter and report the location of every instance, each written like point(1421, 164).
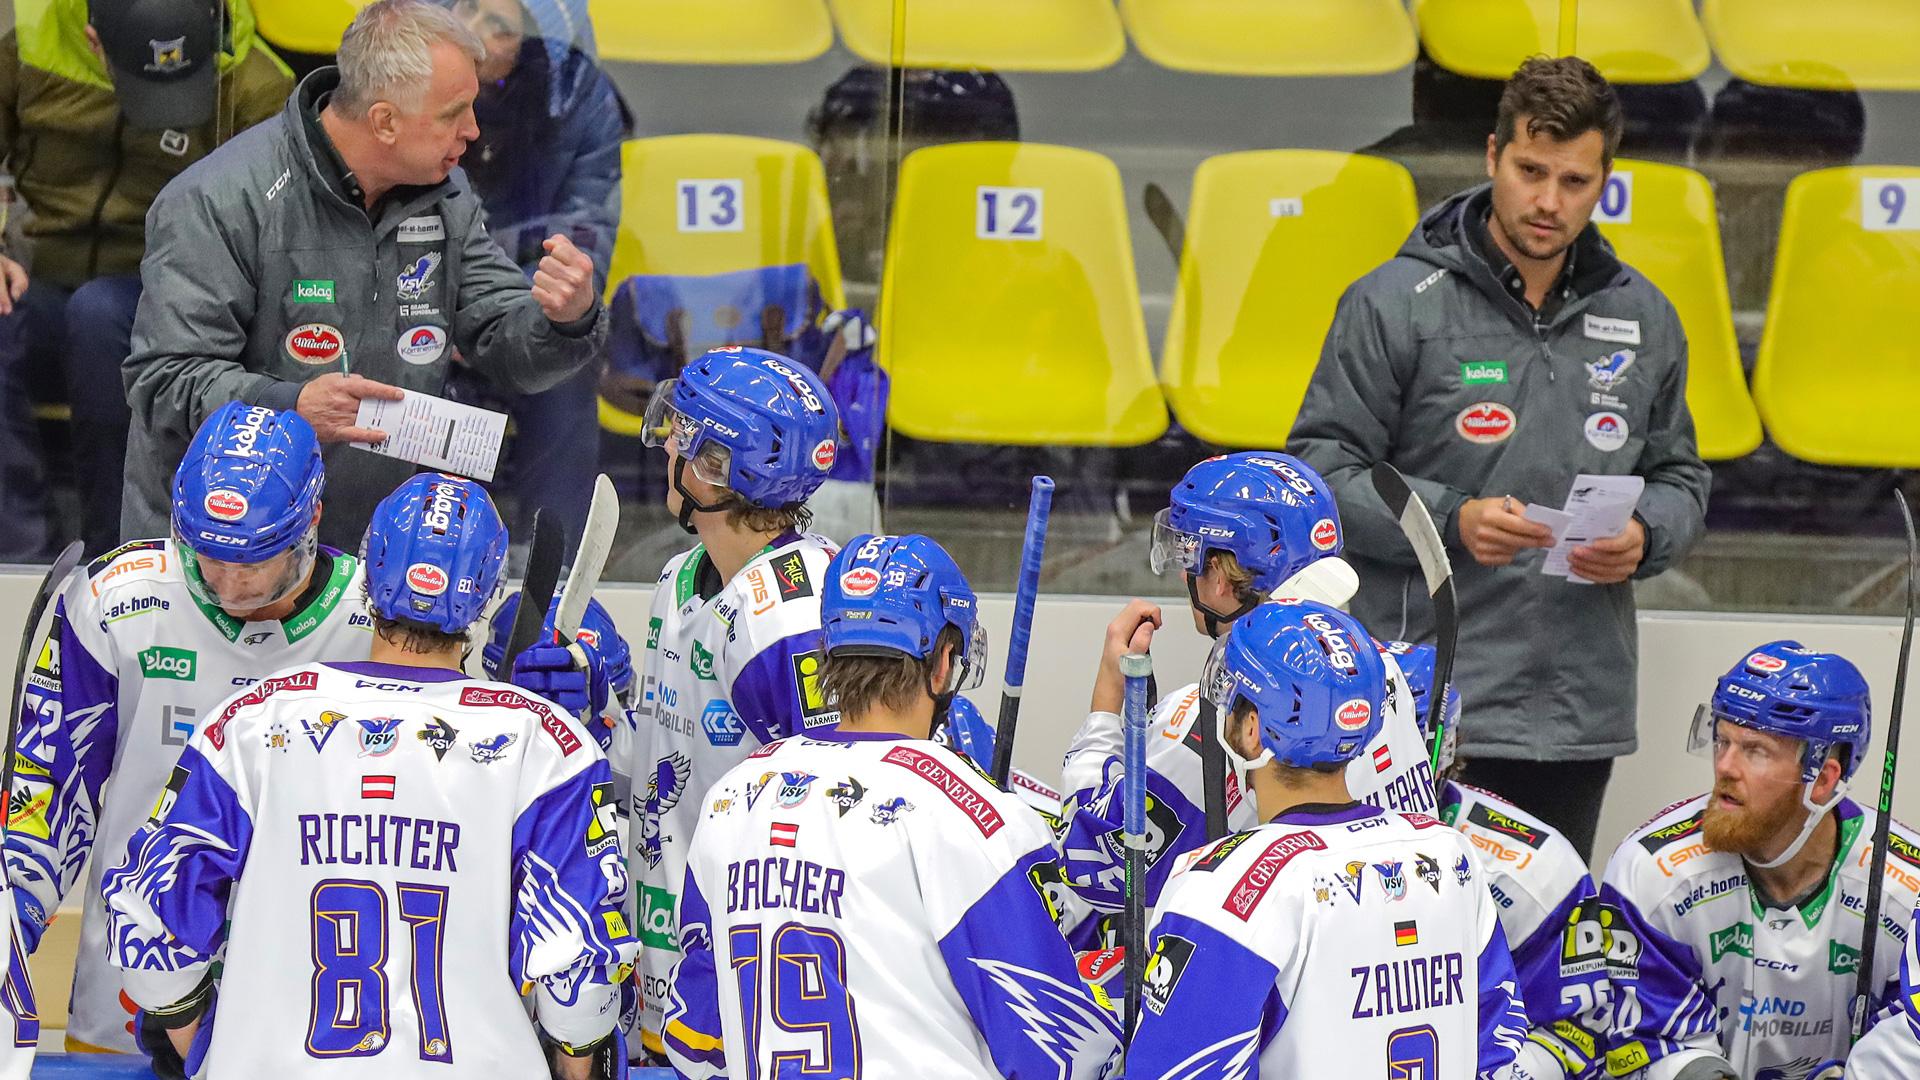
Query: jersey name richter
point(873, 906)
point(134, 664)
point(386, 854)
point(719, 677)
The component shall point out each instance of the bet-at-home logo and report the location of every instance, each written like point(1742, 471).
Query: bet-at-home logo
point(166, 662)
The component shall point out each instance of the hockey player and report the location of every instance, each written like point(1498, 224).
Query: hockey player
point(1891, 1051)
point(1541, 888)
point(865, 898)
point(582, 691)
point(1240, 528)
point(1728, 924)
point(144, 644)
point(732, 658)
point(399, 849)
point(1337, 932)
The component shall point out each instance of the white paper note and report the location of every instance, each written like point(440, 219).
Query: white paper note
point(435, 432)
point(1600, 506)
point(1557, 520)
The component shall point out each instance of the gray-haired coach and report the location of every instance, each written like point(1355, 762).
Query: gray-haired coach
point(1502, 352)
point(334, 253)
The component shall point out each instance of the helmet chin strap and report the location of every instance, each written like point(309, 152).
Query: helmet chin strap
point(1816, 812)
point(688, 504)
point(1243, 766)
point(1215, 621)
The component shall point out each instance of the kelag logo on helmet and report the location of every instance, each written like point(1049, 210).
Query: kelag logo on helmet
point(1333, 640)
point(807, 396)
point(247, 431)
point(426, 579)
point(315, 343)
point(225, 504)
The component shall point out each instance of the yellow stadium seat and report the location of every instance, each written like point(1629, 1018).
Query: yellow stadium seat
point(1001, 35)
point(1273, 238)
point(1009, 312)
point(1661, 220)
point(1839, 369)
point(1260, 37)
point(1632, 41)
point(1833, 45)
point(711, 31)
point(781, 201)
point(308, 26)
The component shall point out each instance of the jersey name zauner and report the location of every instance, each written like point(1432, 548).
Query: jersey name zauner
point(132, 666)
point(719, 677)
point(1697, 963)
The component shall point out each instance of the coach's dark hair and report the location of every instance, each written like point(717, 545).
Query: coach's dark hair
point(858, 684)
point(1564, 97)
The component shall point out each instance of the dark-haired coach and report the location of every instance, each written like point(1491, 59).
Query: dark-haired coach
point(1504, 350)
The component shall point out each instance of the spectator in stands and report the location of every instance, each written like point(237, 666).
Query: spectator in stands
point(336, 253)
point(547, 161)
point(102, 102)
point(1503, 351)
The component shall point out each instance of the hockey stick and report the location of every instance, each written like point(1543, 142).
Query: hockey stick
point(1166, 220)
point(1033, 550)
point(536, 588)
point(1213, 768)
point(1870, 935)
point(1137, 668)
point(596, 541)
point(1417, 524)
point(56, 576)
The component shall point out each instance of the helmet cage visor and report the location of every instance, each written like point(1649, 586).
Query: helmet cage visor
point(684, 436)
point(247, 587)
point(1173, 548)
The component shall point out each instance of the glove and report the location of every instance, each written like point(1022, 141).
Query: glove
point(1707, 1068)
point(33, 919)
point(556, 673)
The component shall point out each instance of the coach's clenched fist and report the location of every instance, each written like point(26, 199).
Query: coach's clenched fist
point(563, 283)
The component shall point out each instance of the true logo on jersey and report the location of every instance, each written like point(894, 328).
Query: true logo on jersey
point(860, 581)
point(318, 731)
point(1393, 878)
point(721, 724)
point(225, 504)
point(488, 751)
point(701, 662)
point(1259, 877)
point(1213, 857)
point(790, 574)
point(426, 579)
point(847, 794)
point(166, 662)
point(1496, 822)
point(379, 736)
point(438, 735)
point(815, 711)
point(1171, 954)
point(886, 813)
point(1668, 834)
point(664, 790)
point(794, 788)
point(1428, 868)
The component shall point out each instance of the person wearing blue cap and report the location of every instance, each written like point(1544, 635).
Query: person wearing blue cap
point(870, 890)
point(1315, 937)
point(388, 852)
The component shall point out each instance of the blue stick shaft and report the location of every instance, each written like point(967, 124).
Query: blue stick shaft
point(1133, 792)
point(1033, 550)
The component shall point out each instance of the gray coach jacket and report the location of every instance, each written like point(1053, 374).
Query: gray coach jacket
point(1434, 366)
point(260, 275)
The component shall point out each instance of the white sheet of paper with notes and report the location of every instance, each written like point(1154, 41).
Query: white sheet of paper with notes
point(435, 432)
point(1600, 507)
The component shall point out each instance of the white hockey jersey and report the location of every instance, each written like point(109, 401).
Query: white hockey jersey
point(1699, 967)
point(132, 666)
point(1335, 940)
point(399, 849)
point(727, 668)
point(1891, 1051)
point(19, 1005)
point(1393, 772)
point(873, 906)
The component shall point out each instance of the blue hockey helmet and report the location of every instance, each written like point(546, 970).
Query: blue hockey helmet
point(596, 629)
point(434, 551)
point(892, 595)
point(967, 731)
point(749, 420)
point(1785, 688)
point(1311, 672)
point(1416, 662)
point(246, 501)
point(1269, 510)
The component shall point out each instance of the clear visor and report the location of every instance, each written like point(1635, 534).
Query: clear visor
point(665, 426)
point(1763, 757)
point(1172, 549)
point(974, 670)
point(244, 588)
point(1216, 682)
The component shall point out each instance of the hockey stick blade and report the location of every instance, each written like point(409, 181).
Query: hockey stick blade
point(1407, 508)
point(1166, 220)
point(536, 588)
point(1869, 931)
point(596, 542)
point(1026, 592)
point(56, 576)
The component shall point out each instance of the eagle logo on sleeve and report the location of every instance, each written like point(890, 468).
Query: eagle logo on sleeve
point(664, 789)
